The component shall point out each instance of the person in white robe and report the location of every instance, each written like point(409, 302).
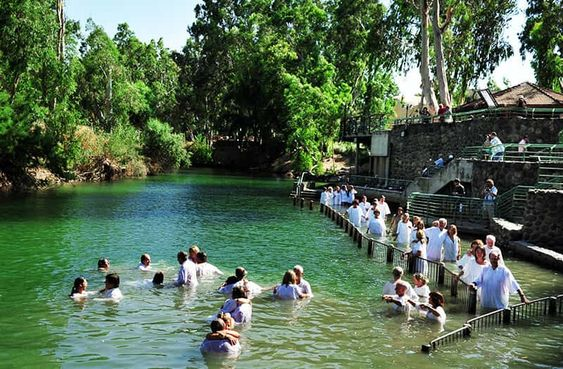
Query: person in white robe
point(436, 236)
point(304, 286)
point(355, 214)
point(497, 282)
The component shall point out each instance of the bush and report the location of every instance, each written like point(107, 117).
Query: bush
point(164, 148)
point(201, 151)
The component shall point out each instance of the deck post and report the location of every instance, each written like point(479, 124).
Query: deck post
point(389, 254)
point(321, 207)
point(441, 274)
point(552, 308)
point(302, 202)
point(370, 248)
point(506, 316)
point(472, 301)
point(295, 200)
point(360, 239)
point(311, 205)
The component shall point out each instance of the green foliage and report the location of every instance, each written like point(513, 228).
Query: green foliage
point(543, 38)
point(200, 151)
point(165, 148)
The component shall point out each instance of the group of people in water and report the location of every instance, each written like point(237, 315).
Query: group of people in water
point(481, 267)
point(194, 266)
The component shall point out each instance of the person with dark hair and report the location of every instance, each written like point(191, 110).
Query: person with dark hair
point(79, 288)
point(239, 279)
point(239, 306)
point(145, 264)
point(158, 279)
point(458, 189)
point(187, 274)
point(435, 308)
point(103, 265)
point(355, 214)
point(111, 289)
point(221, 340)
point(205, 269)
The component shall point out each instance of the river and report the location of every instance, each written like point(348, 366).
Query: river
point(49, 238)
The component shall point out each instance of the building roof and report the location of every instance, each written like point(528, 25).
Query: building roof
point(535, 96)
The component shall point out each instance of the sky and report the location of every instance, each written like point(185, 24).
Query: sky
point(169, 20)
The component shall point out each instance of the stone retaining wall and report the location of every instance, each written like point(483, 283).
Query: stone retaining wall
point(505, 174)
point(542, 223)
point(411, 146)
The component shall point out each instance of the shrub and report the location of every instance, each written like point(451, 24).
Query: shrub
point(201, 151)
point(165, 148)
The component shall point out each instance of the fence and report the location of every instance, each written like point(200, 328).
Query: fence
point(551, 305)
point(532, 152)
point(457, 209)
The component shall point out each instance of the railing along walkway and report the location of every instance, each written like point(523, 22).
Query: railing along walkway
point(546, 306)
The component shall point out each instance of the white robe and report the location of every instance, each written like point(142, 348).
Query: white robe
point(355, 215)
point(435, 243)
point(496, 286)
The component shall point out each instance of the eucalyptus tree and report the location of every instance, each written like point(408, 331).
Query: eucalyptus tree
point(543, 38)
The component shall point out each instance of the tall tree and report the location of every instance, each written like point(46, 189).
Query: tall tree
point(438, 28)
point(543, 37)
point(427, 88)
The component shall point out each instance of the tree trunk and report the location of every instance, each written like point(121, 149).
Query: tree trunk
point(439, 52)
point(427, 90)
point(61, 33)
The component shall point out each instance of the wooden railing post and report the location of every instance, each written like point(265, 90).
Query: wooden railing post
point(441, 274)
point(506, 316)
point(302, 202)
point(346, 225)
point(453, 289)
point(294, 200)
point(311, 205)
point(333, 215)
point(411, 262)
point(472, 301)
point(352, 227)
point(467, 330)
point(389, 254)
point(552, 308)
point(370, 248)
point(355, 234)
point(360, 239)
point(321, 207)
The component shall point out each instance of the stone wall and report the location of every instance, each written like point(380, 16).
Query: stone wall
point(505, 174)
point(412, 146)
point(542, 223)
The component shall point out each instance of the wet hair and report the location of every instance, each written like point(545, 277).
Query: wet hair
point(420, 277)
point(227, 318)
point(240, 272)
point(201, 257)
point(158, 278)
point(230, 280)
point(239, 292)
point(397, 271)
point(194, 249)
point(420, 235)
point(182, 255)
point(298, 269)
point(289, 278)
point(145, 257)
point(438, 297)
point(103, 263)
point(217, 325)
point(78, 282)
point(113, 279)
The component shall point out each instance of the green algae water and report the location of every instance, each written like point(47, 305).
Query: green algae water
point(50, 238)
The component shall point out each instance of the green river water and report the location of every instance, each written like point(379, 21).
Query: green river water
point(49, 238)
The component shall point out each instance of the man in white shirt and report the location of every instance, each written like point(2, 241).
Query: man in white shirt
point(496, 283)
point(355, 214)
point(376, 225)
point(205, 269)
point(187, 275)
point(436, 236)
point(303, 285)
point(497, 148)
